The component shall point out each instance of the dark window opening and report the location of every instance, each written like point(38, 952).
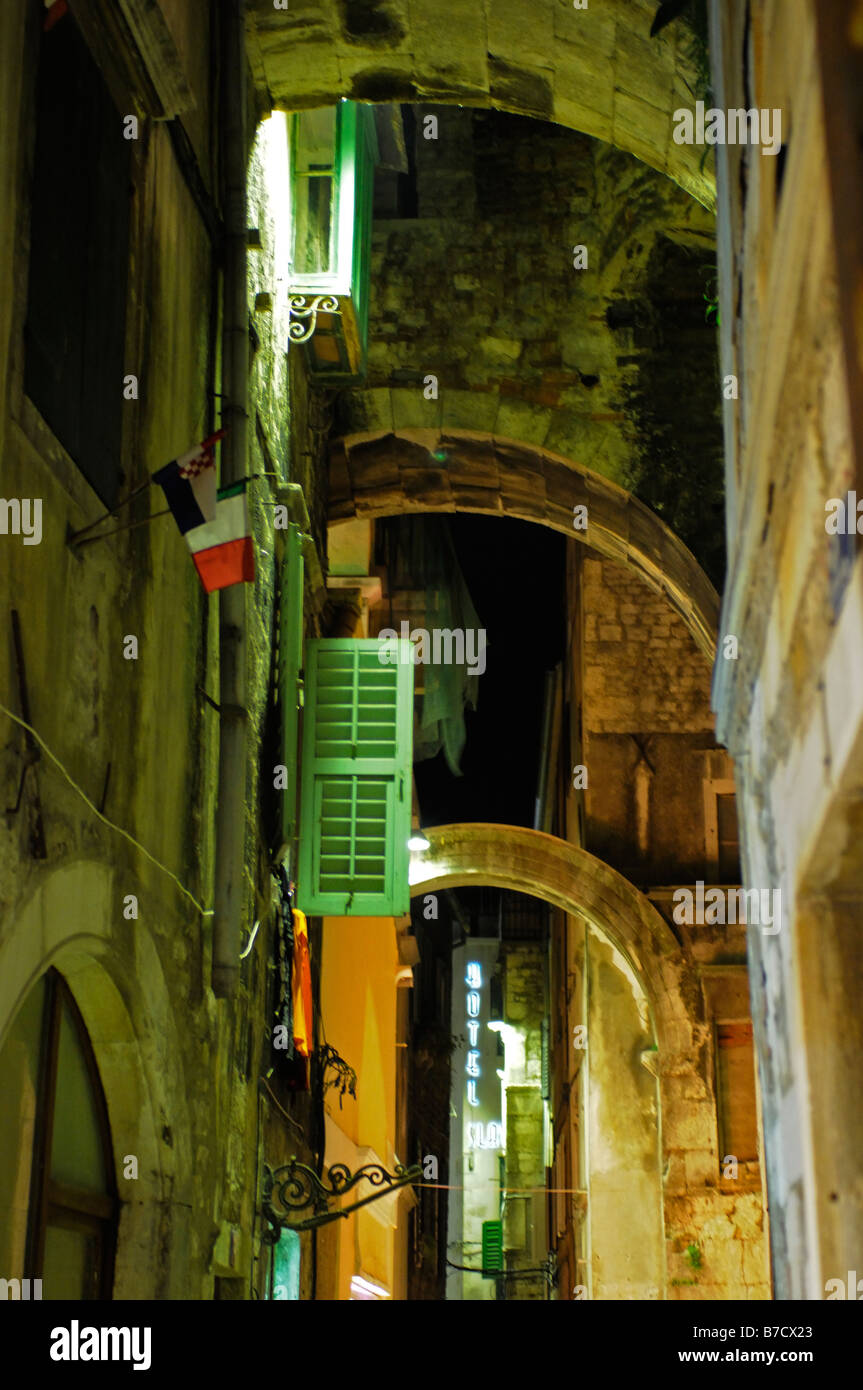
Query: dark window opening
point(781, 161)
point(395, 195)
point(728, 838)
point(79, 257)
point(735, 1065)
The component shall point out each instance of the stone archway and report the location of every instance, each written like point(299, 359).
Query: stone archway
point(593, 69)
point(67, 923)
point(573, 880)
point(401, 471)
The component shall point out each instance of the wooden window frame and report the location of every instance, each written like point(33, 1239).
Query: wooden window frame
point(714, 787)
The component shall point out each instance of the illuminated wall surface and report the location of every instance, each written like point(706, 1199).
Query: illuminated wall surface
point(476, 1134)
point(358, 1007)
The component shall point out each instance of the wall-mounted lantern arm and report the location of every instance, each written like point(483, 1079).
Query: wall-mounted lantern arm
point(297, 1186)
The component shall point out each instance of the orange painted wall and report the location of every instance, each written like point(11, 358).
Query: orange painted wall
point(358, 1007)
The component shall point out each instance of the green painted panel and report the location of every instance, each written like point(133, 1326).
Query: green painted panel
point(356, 780)
point(285, 1273)
point(492, 1245)
point(366, 159)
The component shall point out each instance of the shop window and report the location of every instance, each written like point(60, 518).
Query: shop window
point(333, 154)
point(79, 259)
point(58, 1202)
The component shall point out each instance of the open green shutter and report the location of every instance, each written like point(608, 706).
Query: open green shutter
point(288, 683)
point(356, 779)
point(492, 1246)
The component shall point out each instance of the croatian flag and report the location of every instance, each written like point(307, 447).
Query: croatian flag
point(189, 485)
point(222, 549)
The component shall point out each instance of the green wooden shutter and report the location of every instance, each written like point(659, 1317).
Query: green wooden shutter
point(355, 814)
point(492, 1246)
point(364, 156)
point(290, 652)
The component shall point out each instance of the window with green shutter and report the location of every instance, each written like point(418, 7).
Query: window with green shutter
point(333, 152)
point(356, 779)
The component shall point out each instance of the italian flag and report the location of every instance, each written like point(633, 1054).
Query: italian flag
point(222, 549)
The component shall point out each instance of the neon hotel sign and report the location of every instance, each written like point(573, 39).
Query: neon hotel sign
point(479, 1136)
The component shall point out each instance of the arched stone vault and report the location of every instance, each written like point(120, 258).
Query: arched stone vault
point(543, 866)
point(389, 474)
point(595, 70)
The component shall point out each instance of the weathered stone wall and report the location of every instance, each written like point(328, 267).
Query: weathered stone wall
point(180, 1071)
point(789, 706)
point(622, 1115)
point(524, 1213)
point(646, 724)
point(642, 672)
point(480, 291)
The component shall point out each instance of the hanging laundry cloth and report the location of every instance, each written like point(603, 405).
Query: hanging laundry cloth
point(302, 987)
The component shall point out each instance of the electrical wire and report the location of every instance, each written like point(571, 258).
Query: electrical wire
point(552, 1191)
point(263, 1081)
point(502, 1273)
point(16, 718)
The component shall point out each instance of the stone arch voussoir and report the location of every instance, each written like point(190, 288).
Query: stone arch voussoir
point(594, 69)
point(543, 866)
point(385, 474)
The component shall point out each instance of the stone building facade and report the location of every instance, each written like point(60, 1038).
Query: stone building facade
point(110, 673)
point(788, 707)
point(563, 382)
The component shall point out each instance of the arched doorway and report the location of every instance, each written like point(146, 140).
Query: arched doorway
point(58, 1191)
point(648, 1155)
point(68, 925)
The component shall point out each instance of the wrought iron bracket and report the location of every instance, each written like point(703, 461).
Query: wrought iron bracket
point(304, 307)
point(296, 1187)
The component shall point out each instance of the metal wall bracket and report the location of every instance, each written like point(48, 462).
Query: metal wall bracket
point(296, 1187)
point(304, 307)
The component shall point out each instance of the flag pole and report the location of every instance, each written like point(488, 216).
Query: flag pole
point(127, 526)
point(145, 521)
point(74, 539)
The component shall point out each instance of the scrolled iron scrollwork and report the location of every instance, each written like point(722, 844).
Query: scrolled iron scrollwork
point(305, 307)
point(296, 1187)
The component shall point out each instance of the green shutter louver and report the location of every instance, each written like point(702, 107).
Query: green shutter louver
point(356, 779)
point(492, 1246)
point(290, 655)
